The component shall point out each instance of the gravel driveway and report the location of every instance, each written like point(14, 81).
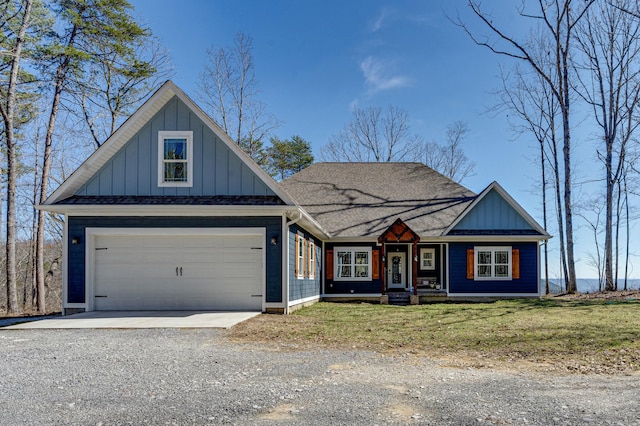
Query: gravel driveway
point(196, 376)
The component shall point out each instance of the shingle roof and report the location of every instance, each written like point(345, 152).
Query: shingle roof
point(364, 199)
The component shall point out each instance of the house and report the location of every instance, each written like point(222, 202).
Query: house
point(406, 227)
point(170, 214)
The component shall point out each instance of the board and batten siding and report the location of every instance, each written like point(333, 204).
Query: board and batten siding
point(529, 274)
point(133, 171)
point(303, 288)
point(76, 252)
point(493, 213)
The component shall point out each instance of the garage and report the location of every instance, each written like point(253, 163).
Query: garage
point(176, 269)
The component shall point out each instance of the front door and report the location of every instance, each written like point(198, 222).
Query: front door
point(396, 270)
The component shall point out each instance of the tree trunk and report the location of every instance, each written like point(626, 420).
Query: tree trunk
point(544, 217)
point(608, 237)
point(559, 217)
point(568, 214)
point(565, 103)
point(60, 78)
point(12, 166)
point(616, 243)
point(44, 187)
point(34, 224)
point(12, 171)
point(626, 206)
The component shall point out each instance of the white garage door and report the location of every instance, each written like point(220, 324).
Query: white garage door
point(178, 272)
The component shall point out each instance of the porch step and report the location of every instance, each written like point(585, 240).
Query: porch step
point(399, 298)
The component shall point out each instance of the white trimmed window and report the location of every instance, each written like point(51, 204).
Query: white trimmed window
point(427, 259)
point(352, 264)
point(492, 263)
point(175, 158)
point(299, 256)
point(311, 269)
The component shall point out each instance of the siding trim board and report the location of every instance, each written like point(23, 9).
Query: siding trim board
point(304, 300)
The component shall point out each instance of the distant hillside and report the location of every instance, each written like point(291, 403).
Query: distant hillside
point(589, 285)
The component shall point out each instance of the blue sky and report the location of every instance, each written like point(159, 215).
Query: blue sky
point(316, 60)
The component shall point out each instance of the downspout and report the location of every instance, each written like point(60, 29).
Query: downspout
point(285, 235)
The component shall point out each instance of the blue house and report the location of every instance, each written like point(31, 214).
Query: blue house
point(170, 214)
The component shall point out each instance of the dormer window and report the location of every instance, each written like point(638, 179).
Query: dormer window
point(175, 158)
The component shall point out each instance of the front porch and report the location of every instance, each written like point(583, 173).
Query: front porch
point(409, 266)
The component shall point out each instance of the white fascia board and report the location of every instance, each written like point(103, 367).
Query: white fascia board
point(513, 203)
point(163, 210)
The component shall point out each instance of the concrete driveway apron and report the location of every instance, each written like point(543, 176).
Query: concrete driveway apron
point(140, 319)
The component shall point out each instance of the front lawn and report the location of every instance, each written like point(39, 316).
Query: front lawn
point(551, 334)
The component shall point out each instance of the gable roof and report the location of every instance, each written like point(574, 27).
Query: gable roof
point(137, 121)
point(356, 200)
point(527, 224)
point(399, 232)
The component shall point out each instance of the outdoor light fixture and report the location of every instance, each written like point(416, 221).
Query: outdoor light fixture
point(274, 240)
point(75, 240)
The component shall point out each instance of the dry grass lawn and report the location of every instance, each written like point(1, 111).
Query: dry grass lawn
point(574, 334)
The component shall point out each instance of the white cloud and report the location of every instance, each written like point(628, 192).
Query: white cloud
point(377, 24)
point(377, 78)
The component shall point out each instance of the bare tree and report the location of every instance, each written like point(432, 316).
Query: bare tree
point(374, 136)
point(117, 82)
point(449, 158)
point(537, 114)
point(594, 222)
point(229, 89)
point(609, 39)
point(558, 19)
point(82, 26)
point(8, 112)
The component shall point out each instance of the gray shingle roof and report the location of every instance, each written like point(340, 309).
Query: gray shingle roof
point(364, 199)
